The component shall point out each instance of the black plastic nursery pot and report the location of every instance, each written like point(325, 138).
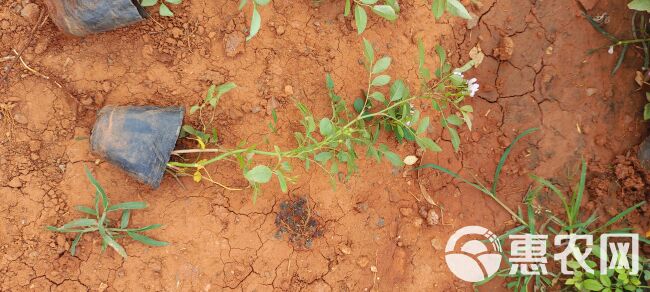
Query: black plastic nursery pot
point(82, 17)
point(138, 139)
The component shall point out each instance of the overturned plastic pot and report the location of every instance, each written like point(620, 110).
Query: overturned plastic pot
point(138, 139)
point(83, 17)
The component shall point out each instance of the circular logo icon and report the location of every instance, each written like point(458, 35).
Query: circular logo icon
point(473, 253)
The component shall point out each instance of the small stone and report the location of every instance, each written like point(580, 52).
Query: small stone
point(279, 30)
point(177, 32)
point(361, 207)
point(87, 101)
point(30, 12)
point(436, 244)
point(20, 118)
point(345, 249)
point(373, 269)
point(406, 212)
point(102, 287)
point(233, 43)
point(433, 218)
point(15, 183)
point(591, 91)
point(363, 261)
point(288, 90)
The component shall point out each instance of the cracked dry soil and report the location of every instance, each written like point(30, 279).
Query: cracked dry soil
point(535, 74)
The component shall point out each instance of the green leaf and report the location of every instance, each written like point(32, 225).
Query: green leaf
point(98, 188)
point(639, 5)
point(368, 52)
point(262, 2)
point(347, 8)
point(385, 11)
point(84, 222)
point(164, 11)
point(381, 65)
point(259, 174)
point(148, 227)
point(369, 2)
point(194, 108)
point(394, 159)
point(438, 8)
point(378, 96)
point(592, 285)
point(422, 127)
point(454, 120)
point(73, 246)
point(127, 206)
point(124, 223)
point(145, 239)
point(360, 18)
point(380, 80)
point(242, 3)
point(456, 8)
point(108, 240)
point(221, 90)
point(504, 156)
point(440, 51)
point(282, 180)
point(329, 82)
point(256, 21)
point(455, 139)
point(605, 281)
point(325, 126)
point(646, 112)
point(398, 90)
point(148, 3)
point(323, 156)
point(358, 104)
point(87, 210)
point(427, 143)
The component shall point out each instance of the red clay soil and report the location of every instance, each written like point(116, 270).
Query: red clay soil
point(536, 73)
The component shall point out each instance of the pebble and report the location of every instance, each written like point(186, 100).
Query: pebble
point(345, 249)
point(436, 244)
point(288, 90)
point(433, 218)
point(30, 12)
point(406, 212)
point(15, 183)
point(280, 30)
point(20, 118)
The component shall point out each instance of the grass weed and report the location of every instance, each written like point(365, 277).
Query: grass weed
point(100, 223)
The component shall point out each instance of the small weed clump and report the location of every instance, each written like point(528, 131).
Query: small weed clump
point(332, 143)
point(163, 9)
point(297, 220)
point(640, 41)
point(535, 219)
point(103, 225)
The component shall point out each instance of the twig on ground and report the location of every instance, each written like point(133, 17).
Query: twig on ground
point(30, 38)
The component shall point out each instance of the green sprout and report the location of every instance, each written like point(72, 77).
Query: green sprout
point(332, 143)
point(102, 224)
point(256, 18)
point(163, 10)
